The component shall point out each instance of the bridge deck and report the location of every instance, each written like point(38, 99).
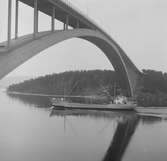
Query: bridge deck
point(15, 43)
point(62, 10)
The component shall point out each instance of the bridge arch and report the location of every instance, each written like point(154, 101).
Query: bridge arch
point(25, 47)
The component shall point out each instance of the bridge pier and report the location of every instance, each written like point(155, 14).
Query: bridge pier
point(35, 18)
point(64, 26)
point(53, 19)
point(16, 19)
point(67, 22)
point(77, 24)
point(9, 22)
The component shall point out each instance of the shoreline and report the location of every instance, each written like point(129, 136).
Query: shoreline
point(138, 108)
point(49, 95)
point(143, 111)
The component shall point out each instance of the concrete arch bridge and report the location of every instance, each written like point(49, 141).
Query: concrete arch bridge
point(16, 51)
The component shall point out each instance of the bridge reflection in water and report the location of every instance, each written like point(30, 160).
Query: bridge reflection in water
point(119, 137)
point(126, 126)
point(126, 123)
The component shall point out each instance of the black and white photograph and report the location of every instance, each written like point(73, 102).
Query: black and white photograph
point(83, 80)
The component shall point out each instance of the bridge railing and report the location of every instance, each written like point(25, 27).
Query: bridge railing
point(86, 19)
point(82, 13)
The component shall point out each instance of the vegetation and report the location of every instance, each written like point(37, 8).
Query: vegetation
point(95, 82)
point(152, 91)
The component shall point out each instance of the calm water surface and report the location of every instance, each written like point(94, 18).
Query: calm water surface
point(31, 132)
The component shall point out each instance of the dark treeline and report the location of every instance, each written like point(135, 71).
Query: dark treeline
point(153, 89)
point(151, 92)
point(92, 82)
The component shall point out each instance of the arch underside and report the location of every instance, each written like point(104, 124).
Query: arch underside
point(125, 69)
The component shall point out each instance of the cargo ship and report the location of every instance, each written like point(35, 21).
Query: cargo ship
point(119, 103)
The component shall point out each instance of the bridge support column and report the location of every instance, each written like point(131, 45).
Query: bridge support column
point(67, 22)
point(53, 19)
point(35, 18)
point(9, 21)
point(77, 24)
point(16, 19)
point(64, 26)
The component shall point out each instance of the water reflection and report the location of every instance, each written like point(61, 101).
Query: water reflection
point(150, 119)
point(126, 125)
point(108, 115)
point(37, 101)
point(123, 135)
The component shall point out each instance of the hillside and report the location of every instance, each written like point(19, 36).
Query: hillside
point(92, 82)
point(151, 92)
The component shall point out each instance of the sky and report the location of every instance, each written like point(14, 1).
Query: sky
point(138, 26)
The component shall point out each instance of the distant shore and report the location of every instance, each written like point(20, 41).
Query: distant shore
point(48, 95)
point(96, 84)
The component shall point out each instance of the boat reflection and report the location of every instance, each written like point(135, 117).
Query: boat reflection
point(126, 125)
point(110, 115)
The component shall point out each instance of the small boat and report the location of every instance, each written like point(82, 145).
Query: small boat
point(118, 104)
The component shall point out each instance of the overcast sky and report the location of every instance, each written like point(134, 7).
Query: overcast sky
point(138, 26)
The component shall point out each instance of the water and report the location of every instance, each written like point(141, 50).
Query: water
point(31, 132)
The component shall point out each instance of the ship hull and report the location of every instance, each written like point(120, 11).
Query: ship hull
point(66, 105)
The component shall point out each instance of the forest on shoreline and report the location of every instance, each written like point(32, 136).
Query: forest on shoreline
point(153, 89)
point(151, 92)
